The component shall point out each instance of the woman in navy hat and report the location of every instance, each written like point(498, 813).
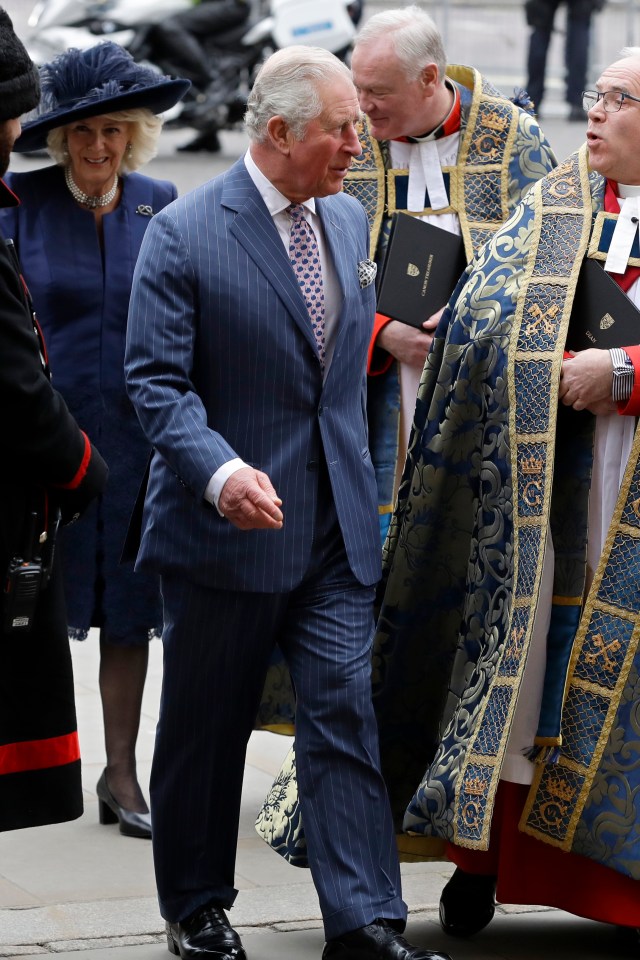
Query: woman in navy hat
point(78, 231)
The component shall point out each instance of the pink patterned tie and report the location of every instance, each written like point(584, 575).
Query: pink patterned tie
point(305, 260)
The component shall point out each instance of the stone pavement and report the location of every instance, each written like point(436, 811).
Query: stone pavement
point(82, 887)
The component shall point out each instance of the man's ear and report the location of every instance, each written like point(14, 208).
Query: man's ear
point(280, 134)
point(429, 77)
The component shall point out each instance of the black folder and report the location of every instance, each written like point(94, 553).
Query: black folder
point(420, 270)
point(602, 315)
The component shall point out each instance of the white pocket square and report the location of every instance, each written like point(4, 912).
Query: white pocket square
point(367, 270)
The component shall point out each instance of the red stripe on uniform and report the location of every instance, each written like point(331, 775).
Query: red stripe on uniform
point(39, 754)
point(82, 469)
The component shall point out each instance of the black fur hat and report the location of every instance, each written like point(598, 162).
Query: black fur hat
point(19, 83)
point(105, 78)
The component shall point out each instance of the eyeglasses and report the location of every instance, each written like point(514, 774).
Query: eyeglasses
point(612, 100)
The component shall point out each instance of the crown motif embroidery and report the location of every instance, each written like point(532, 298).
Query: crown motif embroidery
point(560, 788)
point(531, 466)
point(476, 786)
point(495, 121)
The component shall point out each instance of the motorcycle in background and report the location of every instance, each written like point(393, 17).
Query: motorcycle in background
point(234, 54)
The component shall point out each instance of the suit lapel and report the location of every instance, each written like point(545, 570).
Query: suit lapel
point(337, 241)
point(341, 247)
point(255, 231)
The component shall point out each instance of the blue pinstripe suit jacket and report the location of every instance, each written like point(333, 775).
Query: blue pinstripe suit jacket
point(221, 362)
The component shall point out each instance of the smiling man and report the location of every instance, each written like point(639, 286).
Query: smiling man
point(251, 311)
point(513, 568)
point(440, 143)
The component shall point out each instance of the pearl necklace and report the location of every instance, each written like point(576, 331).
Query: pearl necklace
point(87, 201)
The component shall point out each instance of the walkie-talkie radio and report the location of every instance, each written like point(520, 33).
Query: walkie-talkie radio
point(23, 584)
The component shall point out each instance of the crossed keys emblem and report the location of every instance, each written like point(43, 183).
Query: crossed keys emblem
point(543, 318)
point(603, 649)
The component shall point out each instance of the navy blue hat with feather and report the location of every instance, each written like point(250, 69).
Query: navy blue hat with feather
point(88, 83)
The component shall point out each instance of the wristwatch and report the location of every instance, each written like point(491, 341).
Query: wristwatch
point(623, 375)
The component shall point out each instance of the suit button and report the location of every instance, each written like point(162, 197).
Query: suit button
point(312, 465)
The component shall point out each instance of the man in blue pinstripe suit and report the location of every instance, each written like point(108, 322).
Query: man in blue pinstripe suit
point(260, 513)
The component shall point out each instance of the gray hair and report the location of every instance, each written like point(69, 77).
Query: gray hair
point(415, 37)
point(144, 135)
point(632, 52)
point(288, 86)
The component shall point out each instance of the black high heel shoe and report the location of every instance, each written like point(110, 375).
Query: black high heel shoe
point(467, 903)
point(132, 824)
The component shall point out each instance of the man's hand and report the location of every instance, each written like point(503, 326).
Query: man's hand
point(586, 381)
point(408, 344)
point(249, 501)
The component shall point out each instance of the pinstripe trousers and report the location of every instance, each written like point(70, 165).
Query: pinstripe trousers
point(217, 646)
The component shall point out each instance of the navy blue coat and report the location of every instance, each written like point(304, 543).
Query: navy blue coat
point(81, 295)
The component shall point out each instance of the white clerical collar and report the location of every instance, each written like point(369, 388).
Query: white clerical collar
point(625, 230)
point(629, 189)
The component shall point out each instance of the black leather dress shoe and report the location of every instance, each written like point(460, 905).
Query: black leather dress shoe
point(467, 903)
point(132, 824)
point(205, 933)
point(377, 939)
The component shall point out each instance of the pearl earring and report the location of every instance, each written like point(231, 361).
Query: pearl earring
point(129, 150)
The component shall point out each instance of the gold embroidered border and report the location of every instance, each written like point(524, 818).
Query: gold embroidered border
point(484, 99)
point(569, 782)
point(567, 195)
point(368, 168)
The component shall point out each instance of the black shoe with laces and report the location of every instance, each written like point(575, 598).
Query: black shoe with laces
point(377, 940)
point(205, 933)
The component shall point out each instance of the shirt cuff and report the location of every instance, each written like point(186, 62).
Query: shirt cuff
point(218, 480)
point(632, 406)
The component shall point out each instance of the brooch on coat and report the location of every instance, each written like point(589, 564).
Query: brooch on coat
point(144, 209)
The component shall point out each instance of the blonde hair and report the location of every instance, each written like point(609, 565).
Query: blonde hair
point(144, 135)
